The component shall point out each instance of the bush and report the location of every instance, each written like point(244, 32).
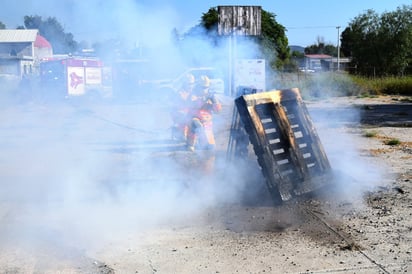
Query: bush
point(370, 134)
point(392, 142)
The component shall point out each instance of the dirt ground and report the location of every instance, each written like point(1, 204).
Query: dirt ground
point(155, 208)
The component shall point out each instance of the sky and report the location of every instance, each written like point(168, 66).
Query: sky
point(95, 20)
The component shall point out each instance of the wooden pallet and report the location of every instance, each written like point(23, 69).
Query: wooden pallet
point(285, 142)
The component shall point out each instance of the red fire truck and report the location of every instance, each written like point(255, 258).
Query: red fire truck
point(76, 76)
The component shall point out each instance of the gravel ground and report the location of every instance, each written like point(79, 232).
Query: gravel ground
point(95, 189)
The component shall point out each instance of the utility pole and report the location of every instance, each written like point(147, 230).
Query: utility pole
point(338, 27)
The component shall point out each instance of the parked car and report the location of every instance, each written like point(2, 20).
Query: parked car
point(307, 70)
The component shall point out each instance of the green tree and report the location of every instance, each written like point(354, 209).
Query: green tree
point(380, 44)
point(297, 54)
point(274, 39)
point(53, 31)
point(2, 25)
point(321, 48)
point(210, 19)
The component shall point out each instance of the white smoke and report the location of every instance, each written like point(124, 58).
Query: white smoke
point(80, 172)
point(356, 171)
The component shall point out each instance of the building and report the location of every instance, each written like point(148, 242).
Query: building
point(21, 51)
point(342, 66)
point(324, 62)
point(317, 62)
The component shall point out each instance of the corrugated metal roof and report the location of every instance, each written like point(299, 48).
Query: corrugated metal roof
point(18, 35)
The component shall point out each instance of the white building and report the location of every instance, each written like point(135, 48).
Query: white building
point(21, 51)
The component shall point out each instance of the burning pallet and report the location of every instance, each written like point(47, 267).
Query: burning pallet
point(285, 142)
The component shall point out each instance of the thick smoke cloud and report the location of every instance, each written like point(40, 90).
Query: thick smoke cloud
point(79, 173)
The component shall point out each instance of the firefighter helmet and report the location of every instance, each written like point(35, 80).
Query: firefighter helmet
point(204, 81)
point(189, 79)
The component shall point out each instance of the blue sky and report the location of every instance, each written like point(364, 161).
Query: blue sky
point(91, 20)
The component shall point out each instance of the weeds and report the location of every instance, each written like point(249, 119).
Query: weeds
point(370, 134)
point(332, 84)
point(385, 85)
point(392, 142)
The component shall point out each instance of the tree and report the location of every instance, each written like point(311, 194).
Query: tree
point(274, 39)
point(53, 31)
point(209, 20)
point(321, 48)
point(380, 44)
point(2, 25)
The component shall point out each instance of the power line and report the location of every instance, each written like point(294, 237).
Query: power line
point(312, 27)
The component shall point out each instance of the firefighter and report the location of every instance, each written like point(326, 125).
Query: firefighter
point(203, 105)
point(180, 109)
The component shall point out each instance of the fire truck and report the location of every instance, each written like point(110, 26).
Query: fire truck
point(76, 76)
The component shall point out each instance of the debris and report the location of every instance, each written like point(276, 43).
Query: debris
point(399, 190)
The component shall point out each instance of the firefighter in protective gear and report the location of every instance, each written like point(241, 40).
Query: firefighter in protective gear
point(203, 105)
point(180, 109)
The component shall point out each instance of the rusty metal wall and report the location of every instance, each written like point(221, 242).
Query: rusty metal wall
point(239, 20)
